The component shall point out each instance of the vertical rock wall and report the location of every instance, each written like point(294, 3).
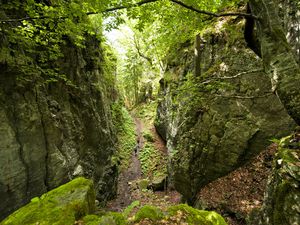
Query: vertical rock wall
point(51, 132)
point(216, 122)
point(282, 203)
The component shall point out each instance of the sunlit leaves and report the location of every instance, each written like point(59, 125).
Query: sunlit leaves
point(35, 44)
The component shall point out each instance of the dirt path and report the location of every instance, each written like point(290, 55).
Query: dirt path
point(128, 190)
point(129, 176)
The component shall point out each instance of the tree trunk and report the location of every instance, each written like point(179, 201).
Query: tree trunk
point(277, 55)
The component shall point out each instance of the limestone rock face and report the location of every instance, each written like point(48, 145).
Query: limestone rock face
point(215, 121)
point(51, 132)
point(282, 198)
point(63, 205)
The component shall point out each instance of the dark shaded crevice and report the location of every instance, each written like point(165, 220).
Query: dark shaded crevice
point(46, 183)
point(245, 157)
point(250, 34)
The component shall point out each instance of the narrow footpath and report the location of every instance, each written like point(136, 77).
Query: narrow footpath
point(129, 189)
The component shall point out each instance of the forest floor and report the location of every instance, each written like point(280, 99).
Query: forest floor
point(145, 163)
point(233, 196)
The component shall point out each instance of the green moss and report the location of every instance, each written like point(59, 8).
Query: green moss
point(149, 212)
point(129, 208)
point(119, 218)
point(91, 220)
point(110, 218)
point(62, 205)
point(195, 216)
point(126, 137)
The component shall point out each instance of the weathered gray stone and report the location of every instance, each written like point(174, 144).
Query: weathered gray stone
point(51, 132)
point(218, 121)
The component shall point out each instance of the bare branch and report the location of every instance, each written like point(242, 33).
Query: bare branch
point(232, 77)
point(246, 15)
point(246, 97)
point(240, 74)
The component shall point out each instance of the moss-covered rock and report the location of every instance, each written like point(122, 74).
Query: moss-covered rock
point(195, 216)
point(178, 214)
point(216, 122)
point(75, 201)
point(62, 206)
point(282, 199)
point(149, 212)
point(52, 132)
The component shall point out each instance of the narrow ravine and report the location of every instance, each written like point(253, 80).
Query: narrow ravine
point(128, 176)
point(129, 189)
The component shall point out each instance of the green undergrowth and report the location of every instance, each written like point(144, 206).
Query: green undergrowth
point(126, 135)
point(148, 214)
point(147, 112)
point(74, 203)
point(153, 160)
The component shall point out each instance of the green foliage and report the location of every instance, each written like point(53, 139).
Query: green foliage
point(152, 161)
point(129, 208)
point(126, 135)
point(35, 45)
point(91, 220)
point(149, 212)
point(75, 201)
point(148, 136)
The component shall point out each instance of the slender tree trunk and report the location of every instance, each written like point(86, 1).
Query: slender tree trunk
point(277, 55)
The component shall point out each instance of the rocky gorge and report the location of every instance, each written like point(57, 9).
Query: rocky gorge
point(69, 145)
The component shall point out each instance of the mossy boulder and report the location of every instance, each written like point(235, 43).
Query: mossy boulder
point(282, 199)
point(178, 214)
point(61, 206)
point(218, 121)
point(149, 212)
point(195, 216)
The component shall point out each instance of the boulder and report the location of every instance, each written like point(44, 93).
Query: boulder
point(216, 121)
point(63, 205)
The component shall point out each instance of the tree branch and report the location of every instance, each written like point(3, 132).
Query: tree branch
point(128, 6)
point(246, 15)
point(137, 46)
point(143, 2)
point(207, 81)
point(246, 97)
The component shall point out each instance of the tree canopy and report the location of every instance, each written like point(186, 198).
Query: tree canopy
point(33, 39)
